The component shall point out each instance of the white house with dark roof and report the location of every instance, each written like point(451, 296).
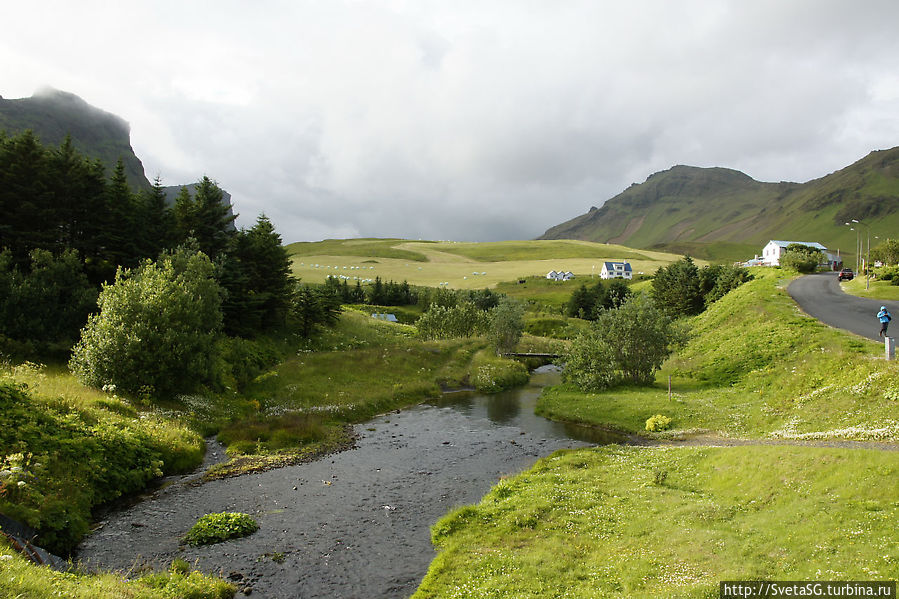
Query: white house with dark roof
point(616, 270)
point(772, 252)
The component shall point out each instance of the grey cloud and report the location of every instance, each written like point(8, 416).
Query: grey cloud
point(471, 120)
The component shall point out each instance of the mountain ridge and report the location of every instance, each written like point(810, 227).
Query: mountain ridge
point(691, 209)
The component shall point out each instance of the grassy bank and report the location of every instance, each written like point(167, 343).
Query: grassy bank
point(672, 522)
point(66, 449)
point(876, 289)
point(756, 367)
point(21, 579)
point(360, 368)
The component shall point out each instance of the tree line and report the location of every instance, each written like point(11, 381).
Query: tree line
point(68, 229)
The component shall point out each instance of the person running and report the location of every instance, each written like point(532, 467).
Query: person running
point(884, 317)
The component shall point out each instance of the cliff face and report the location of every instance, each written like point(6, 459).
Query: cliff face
point(52, 114)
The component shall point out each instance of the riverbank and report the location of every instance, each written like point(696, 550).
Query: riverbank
point(672, 522)
point(354, 524)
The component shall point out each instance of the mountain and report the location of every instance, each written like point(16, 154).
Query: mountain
point(52, 114)
point(725, 214)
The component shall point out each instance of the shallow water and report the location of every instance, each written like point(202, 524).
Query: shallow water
point(354, 524)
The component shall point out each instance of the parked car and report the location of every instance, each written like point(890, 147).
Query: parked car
point(846, 274)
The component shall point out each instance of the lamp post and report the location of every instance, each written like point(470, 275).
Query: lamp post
point(868, 255)
point(857, 252)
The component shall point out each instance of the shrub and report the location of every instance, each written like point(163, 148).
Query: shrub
point(155, 330)
point(215, 528)
point(461, 320)
point(658, 423)
point(70, 461)
point(627, 344)
point(801, 258)
point(47, 302)
point(676, 288)
point(506, 325)
point(491, 374)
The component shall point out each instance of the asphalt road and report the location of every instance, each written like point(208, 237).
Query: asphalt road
point(819, 295)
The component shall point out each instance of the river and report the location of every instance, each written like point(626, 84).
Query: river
point(355, 524)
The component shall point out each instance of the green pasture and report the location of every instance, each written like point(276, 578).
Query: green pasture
point(875, 289)
point(756, 367)
point(462, 265)
point(672, 522)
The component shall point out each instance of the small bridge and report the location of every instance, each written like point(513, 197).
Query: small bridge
point(532, 355)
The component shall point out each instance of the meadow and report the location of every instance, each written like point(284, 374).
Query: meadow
point(755, 367)
point(671, 522)
point(461, 265)
point(875, 288)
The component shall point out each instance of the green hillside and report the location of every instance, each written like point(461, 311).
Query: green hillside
point(53, 114)
point(718, 213)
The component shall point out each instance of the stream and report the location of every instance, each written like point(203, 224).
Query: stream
point(355, 524)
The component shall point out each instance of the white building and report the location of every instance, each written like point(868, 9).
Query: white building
point(616, 270)
point(560, 276)
point(772, 252)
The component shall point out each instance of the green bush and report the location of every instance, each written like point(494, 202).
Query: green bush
point(624, 345)
point(506, 325)
point(156, 328)
point(215, 528)
point(69, 461)
point(491, 374)
point(801, 258)
point(242, 360)
point(47, 302)
point(458, 321)
point(658, 423)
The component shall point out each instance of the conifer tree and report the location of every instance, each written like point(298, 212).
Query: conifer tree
point(157, 222)
point(120, 223)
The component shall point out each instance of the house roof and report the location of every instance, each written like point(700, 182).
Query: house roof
point(785, 244)
point(611, 265)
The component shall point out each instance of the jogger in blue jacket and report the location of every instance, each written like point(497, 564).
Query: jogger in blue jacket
point(884, 317)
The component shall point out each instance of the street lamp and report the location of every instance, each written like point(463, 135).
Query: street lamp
point(857, 252)
point(868, 255)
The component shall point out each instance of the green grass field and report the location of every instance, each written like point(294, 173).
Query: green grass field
point(755, 367)
point(874, 289)
point(672, 522)
point(462, 265)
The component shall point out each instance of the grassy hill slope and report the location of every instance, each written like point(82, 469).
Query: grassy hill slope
point(719, 213)
point(53, 114)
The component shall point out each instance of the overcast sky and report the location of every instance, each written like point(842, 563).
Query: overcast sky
point(480, 120)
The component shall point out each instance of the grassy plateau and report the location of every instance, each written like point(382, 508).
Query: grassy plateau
point(461, 265)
